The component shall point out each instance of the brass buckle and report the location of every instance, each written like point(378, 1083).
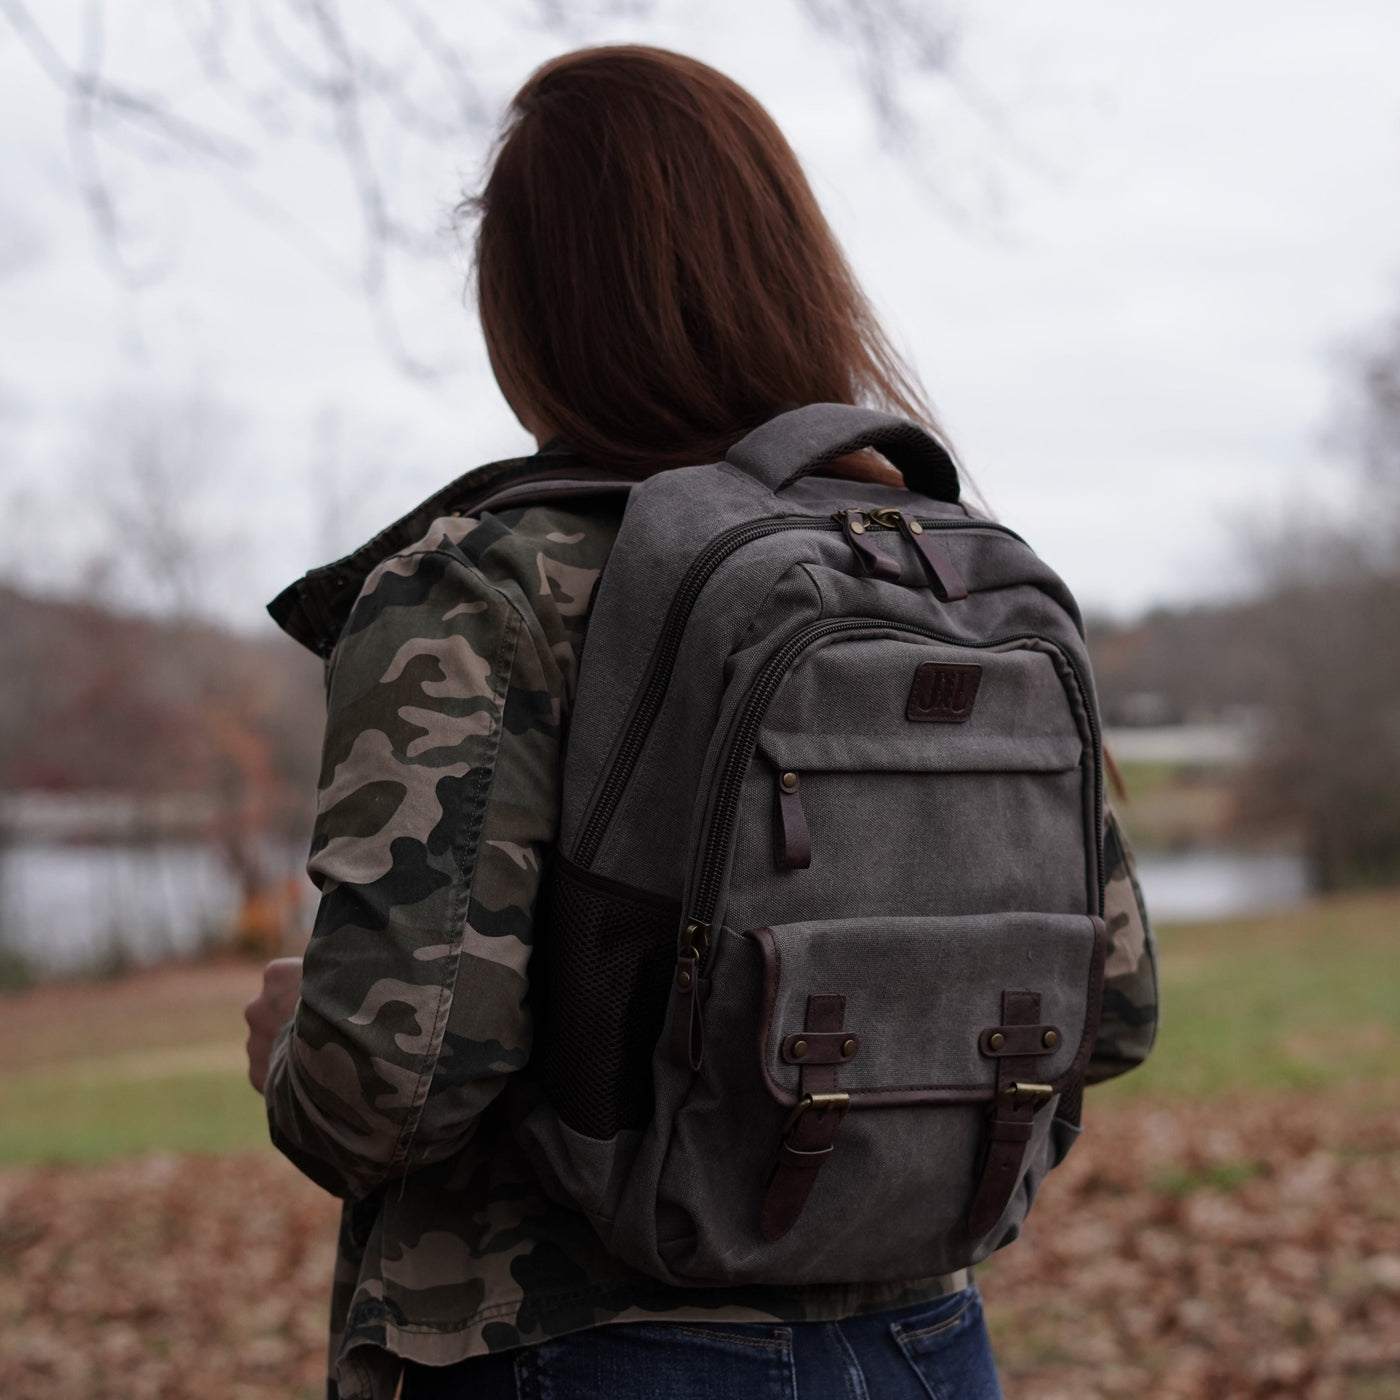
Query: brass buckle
point(821, 1102)
point(1037, 1092)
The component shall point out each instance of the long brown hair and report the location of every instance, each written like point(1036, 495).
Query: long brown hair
point(654, 275)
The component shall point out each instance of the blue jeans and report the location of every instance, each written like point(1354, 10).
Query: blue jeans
point(937, 1349)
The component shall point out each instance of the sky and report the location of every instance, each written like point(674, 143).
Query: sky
point(1126, 245)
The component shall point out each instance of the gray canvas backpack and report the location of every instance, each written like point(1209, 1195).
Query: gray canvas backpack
point(819, 960)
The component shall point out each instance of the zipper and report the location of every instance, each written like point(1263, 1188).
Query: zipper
point(696, 929)
point(668, 646)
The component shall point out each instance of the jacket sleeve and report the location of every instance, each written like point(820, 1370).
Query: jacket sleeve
point(438, 797)
point(1128, 1025)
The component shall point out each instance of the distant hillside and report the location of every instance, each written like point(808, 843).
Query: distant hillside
point(1175, 667)
point(92, 700)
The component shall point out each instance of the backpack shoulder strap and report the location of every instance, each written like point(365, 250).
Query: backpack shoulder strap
point(788, 447)
point(313, 610)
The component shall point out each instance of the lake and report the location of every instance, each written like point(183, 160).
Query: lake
point(70, 907)
point(1197, 886)
point(66, 908)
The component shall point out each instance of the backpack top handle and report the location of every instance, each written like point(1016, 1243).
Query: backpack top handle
point(804, 440)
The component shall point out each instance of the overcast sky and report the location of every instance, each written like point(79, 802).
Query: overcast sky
point(1124, 249)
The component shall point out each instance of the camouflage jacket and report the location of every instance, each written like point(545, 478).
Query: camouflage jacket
point(449, 690)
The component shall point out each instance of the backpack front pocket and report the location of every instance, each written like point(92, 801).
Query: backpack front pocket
point(907, 1081)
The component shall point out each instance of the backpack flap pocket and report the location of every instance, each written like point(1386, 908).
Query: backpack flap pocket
point(993, 1014)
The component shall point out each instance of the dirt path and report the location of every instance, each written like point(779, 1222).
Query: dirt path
point(1196, 1252)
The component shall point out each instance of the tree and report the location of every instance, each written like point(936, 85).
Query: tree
point(150, 465)
point(1331, 620)
point(377, 87)
point(302, 118)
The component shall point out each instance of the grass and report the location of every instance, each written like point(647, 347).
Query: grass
point(1302, 999)
point(47, 1118)
point(155, 1061)
point(150, 1062)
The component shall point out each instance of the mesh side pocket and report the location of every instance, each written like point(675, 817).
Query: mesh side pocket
point(605, 954)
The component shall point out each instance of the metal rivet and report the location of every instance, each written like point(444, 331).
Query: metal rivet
point(997, 1040)
point(789, 781)
point(1050, 1040)
point(857, 528)
point(916, 527)
point(683, 980)
point(799, 1049)
point(848, 1048)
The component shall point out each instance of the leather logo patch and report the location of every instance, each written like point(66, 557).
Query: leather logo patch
point(943, 693)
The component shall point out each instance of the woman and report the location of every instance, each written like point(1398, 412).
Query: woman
point(655, 280)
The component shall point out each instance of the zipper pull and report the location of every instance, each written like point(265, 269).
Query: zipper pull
point(873, 562)
point(943, 576)
point(687, 1043)
point(792, 842)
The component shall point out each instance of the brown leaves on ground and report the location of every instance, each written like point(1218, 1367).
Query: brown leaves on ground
point(164, 1278)
point(1202, 1251)
point(1187, 1252)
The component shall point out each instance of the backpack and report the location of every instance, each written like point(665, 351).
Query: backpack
point(819, 956)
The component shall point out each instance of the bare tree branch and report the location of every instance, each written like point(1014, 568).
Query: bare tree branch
point(376, 92)
point(148, 466)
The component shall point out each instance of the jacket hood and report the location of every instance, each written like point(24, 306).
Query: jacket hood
point(314, 609)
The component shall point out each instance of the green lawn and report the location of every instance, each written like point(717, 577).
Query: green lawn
point(149, 1062)
point(153, 1062)
point(1295, 1000)
point(44, 1118)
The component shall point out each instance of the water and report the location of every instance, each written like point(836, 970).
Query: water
point(1197, 886)
point(66, 908)
point(70, 907)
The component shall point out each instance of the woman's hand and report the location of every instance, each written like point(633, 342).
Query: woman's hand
point(268, 1012)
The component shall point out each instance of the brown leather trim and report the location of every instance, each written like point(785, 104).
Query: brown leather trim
point(810, 1135)
point(792, 841)
point(1020, 1040)
point(943, 692)
point(872, 560)
point(1010, 1125)
point(942, 574)
point(820, 1047)
point(687, 1042)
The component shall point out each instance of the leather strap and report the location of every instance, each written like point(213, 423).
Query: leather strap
point(810, 1135)
point(792, 841)
point(820, 1047)
point(998, 1041)
point(687, 1047)
point(942, 574)
point(872, 560)
point(1011, 1124)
